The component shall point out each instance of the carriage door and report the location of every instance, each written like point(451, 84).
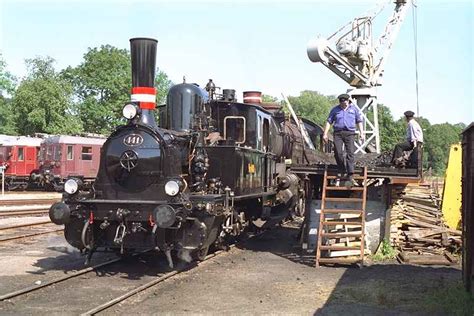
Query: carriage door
point(86, 160)
point(21, 170)
point(70, 159)
point(30, 159)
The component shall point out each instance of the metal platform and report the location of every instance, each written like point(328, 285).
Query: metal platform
point(396, 175)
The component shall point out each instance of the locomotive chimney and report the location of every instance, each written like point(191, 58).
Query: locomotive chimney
point(253, 97)
point(143, 53)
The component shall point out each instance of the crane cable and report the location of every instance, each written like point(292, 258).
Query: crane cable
point(415, 39)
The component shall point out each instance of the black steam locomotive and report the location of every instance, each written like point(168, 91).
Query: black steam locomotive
point(211, 169)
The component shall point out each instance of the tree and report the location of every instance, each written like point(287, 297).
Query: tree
point(43, 101)
point(7, 80)
point(162, 85)
point(313, 105)
point(7, 87)
point(102, 85)
point(269, 99)
point(438, 139)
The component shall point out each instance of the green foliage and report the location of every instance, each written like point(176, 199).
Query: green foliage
point(269, 99)
point(43, 102)
point(313, 105)
point(438, 139)
point(7, 80)
point(7, 123)
point(391, 131)
point(102, 85)
point(162, 85)
point(385, 252)
point(7, 86)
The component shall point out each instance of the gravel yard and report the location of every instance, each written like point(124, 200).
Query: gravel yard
point(263, 275)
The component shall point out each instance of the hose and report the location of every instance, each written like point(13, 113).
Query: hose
point(83, 235)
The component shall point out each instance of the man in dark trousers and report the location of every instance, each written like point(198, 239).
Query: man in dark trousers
point(414, 140)
point(345, 117)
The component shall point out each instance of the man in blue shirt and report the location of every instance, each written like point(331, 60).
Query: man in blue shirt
point(345, 117)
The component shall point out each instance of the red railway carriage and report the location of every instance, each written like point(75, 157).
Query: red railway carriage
point(62, 157)
point(18, 154)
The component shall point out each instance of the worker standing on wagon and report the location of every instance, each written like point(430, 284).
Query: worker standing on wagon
point(414, 140)
point(345, 116)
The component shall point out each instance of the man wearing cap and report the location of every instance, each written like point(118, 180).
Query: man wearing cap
point(414, 138)
point(345, 116)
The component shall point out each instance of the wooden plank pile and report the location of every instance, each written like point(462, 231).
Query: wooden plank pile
point(418, 229)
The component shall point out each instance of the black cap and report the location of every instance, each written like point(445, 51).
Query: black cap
point(343, 96)
point(409, 113)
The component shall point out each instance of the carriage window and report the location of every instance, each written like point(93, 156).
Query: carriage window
point(49, 152)
point(3, 154)
point(69, 152)
point(42, 153)
point(234, 129)
point(57, 152)
point(86, 153)
point(21, 155)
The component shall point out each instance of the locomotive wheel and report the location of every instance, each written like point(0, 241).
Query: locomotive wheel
point(202, 253)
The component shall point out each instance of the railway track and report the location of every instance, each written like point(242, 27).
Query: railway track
point(25, 225)
point(12, 202)
point(24, 212)
point(105, 291)
point(33, 230)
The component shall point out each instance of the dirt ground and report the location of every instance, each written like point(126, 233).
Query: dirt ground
point(265, 275)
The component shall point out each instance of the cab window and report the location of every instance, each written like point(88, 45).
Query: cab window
point(266, 135)
point(234, 129)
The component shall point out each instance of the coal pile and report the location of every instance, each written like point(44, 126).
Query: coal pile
point(372, 160)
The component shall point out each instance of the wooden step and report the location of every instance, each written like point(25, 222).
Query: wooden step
point(333, 188)
point(353, 177)
point(340, 211)
point(339, 260)
point(341, 235)
point(338, 199)
point(342, 223)
point(336, 248)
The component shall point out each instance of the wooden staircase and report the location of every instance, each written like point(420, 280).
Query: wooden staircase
point(341, 231)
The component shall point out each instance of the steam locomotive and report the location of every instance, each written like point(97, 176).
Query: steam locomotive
point(213, 168)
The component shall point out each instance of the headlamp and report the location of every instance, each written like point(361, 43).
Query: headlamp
point(172, 187)
point(71, 186)
point(130, 111)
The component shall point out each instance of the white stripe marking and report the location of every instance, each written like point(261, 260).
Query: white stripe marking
point(143, 98)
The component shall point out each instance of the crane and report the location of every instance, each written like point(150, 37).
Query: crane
point(356, 59)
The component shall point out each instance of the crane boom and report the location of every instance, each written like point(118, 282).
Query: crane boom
point(355, 59)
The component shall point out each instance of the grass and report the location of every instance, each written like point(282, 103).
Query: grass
point(385, 252)
point(451, 299)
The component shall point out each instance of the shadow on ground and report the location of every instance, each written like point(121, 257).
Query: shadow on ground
point(378, 289)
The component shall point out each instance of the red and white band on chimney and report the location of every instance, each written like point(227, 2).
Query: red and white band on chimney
point(145, 96)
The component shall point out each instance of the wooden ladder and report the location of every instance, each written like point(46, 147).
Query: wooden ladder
point(342, 224)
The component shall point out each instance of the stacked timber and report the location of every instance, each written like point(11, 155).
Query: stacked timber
point(418, 229)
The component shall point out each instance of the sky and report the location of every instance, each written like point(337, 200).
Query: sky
point(258, 45)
